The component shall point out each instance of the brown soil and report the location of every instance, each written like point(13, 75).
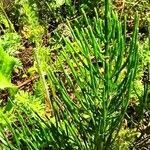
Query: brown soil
point(21, 78)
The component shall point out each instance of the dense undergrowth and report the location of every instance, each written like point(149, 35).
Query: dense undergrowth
point(74, 75)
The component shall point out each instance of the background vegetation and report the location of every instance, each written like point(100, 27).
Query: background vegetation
point(74, 74)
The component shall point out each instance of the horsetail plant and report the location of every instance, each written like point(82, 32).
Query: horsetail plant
point(91, 91)
point(93, 117)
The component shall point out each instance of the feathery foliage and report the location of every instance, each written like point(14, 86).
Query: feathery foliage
point(88, 98)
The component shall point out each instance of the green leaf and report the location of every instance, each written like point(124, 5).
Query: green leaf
point(59, 3)
point(6, 66)
point(68, 2)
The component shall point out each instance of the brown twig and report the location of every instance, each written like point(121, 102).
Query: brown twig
point(27, 81)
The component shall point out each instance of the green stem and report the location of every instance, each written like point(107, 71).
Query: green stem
point(106, 75)
point(44, 86)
